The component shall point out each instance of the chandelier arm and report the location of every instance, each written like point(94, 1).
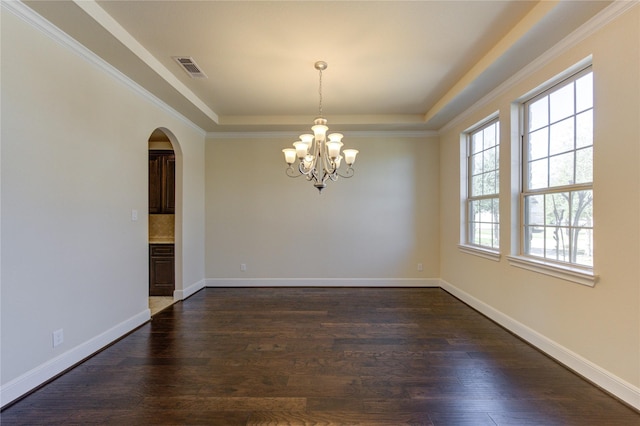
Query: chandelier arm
point(325, 176)
point(301, 168)
point(328, 165)
point(291, 172)
point(319, 163)
point(348, 173)
point(314, 175)
point(331, 171)
point(309, 170)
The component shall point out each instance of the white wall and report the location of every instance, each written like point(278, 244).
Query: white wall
point(596, 330)
point(371, 229)
point(74, 166)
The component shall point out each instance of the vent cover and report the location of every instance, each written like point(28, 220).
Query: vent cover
point(189, 65)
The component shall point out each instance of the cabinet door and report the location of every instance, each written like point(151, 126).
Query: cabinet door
point(162, 177)
point(155, 183)
point(169, 184)
point(161, 270)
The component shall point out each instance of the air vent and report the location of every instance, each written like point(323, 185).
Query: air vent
point(190, 66)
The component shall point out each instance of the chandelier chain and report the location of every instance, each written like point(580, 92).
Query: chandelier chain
point(320, 93)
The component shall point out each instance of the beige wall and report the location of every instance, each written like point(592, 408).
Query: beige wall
point(74, 166)
point(378, 224)
point(599, 325)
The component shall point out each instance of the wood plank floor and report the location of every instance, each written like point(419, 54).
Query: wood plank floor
point(288, 356)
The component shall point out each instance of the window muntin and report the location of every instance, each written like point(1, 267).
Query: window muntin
point(483, 186)
point(557, 199)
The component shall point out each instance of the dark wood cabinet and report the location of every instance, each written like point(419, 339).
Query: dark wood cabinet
point(162, 176)
point(161, 270)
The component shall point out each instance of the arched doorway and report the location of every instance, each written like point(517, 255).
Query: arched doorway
point(162, 219)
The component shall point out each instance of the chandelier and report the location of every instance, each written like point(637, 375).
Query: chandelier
point(318, 158)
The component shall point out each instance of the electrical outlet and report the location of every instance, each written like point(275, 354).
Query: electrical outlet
point(58, 337)
point(419, 267)
point(243, 267)
point(134, 215)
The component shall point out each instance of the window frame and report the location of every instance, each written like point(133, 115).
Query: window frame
point(467, 245)
point(572, 271)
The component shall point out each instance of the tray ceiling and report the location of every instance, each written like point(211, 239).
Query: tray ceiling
point(401, 65)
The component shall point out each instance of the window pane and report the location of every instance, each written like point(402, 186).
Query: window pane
point(561, 170)
point(539, 114)
point(476, 143)
point(474, 233)
point(557, 244)
point(584, 165)
point(583, 246)
point(561, 103)
point(489, 136)
point(496, 223)
point(557, 209)
point(476, 164)
point(489, 160)
point(485, 210)
point(539, 144)
point(538, 174)
point(534, 244)
point(582, 208)
point(584, 92)
point(584, 129)
point(473, 209)
point(486, 187)
point(486, 234)
point(534, 210)
point(496, 182)
point(562, 137)
point(496, 210)
point(476, 185)
point(550, 249)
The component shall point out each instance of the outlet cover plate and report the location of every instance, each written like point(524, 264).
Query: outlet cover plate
point(58, 337)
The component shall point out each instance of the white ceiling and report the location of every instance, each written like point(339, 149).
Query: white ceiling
point(401, 65)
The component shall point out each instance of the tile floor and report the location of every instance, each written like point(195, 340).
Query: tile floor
point(158, 303)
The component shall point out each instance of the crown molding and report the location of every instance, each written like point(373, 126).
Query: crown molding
point(294, 135)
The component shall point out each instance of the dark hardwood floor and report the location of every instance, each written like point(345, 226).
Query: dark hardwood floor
point(284, 356)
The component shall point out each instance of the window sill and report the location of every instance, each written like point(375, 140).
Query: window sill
point(481, 252)
point(565, 273)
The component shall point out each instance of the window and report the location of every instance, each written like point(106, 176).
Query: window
point(557, 195)
point(483, 186)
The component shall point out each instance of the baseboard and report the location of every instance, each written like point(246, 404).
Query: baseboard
point(322, 282)
point(186, 292)
point(25, 383)
point(616, 386)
